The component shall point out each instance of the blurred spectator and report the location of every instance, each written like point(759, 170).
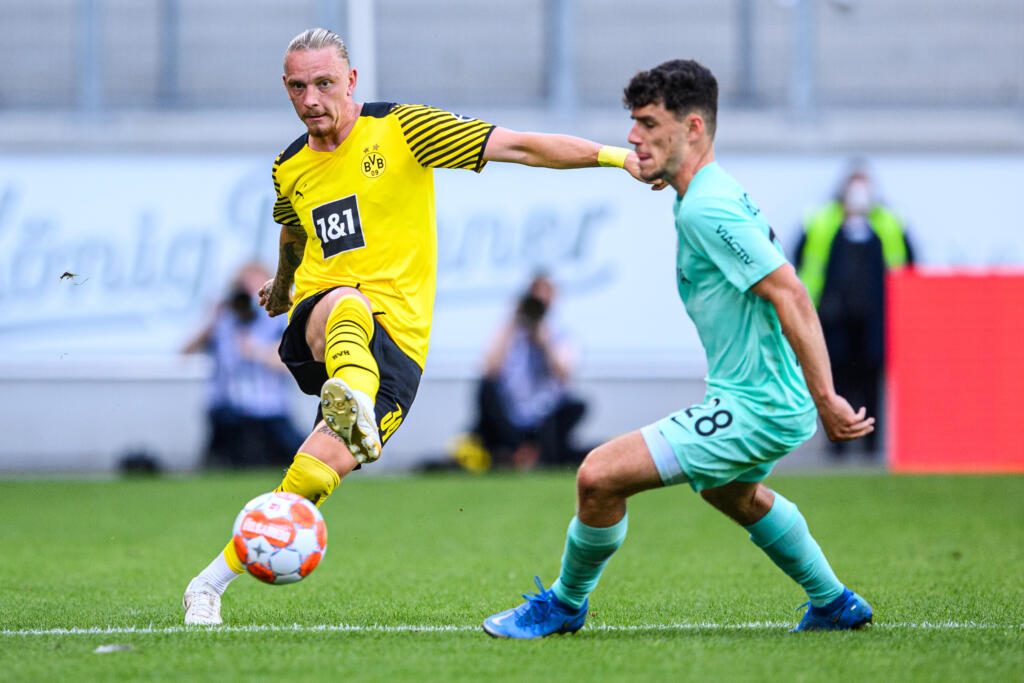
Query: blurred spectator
point(844, 252)
point(526, 412)
point(249, 387)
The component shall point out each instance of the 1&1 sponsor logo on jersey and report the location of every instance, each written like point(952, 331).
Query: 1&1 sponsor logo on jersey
point(338, 226)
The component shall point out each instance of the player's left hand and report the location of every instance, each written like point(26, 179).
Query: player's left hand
point(632, 166)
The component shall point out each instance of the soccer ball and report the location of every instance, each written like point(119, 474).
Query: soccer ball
point(280, 537)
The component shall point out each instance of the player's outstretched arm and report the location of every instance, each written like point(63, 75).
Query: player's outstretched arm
point(276, 294)
point(552, 150)
point(799, 321)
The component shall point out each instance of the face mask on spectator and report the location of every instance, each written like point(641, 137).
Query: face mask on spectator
point(857, 199)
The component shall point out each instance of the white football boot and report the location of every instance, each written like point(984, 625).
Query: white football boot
point(201, 603)
point(349, 412)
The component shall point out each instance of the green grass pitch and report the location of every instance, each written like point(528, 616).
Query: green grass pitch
point(415, 563)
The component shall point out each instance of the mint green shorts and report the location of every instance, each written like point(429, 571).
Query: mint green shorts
point(722, 440)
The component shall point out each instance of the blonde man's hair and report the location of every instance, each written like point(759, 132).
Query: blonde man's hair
point(318, 39)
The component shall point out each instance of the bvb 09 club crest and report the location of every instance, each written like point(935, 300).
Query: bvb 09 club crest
point(373, 163)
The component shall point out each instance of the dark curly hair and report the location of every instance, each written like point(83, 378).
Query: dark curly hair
point(681, 86)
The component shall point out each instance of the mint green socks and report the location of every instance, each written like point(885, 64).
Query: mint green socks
point(587, 551)
point(783, 535)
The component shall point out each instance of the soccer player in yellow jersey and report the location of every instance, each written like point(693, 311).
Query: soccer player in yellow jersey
point(355, 201)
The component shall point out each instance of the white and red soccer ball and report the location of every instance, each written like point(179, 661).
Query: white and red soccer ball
point(280, 537)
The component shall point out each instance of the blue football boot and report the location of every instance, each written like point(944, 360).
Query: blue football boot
point(541, 615)
point(848, 611)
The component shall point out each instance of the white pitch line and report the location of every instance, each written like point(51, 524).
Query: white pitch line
point(411, 628)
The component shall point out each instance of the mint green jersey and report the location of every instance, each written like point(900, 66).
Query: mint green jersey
point(725, 246)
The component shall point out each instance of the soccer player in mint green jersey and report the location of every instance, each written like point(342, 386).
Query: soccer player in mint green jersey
point(768, 378)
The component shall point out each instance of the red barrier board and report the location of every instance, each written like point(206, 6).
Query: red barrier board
point(955, 371)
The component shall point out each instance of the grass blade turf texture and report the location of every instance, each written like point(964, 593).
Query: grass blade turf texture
point(686, 597)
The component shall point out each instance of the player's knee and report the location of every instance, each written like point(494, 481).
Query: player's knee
point(316, 327)
point(593, 478)
point(335, 295)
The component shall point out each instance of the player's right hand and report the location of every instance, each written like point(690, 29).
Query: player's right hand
point(272, 302)
point(840, 421)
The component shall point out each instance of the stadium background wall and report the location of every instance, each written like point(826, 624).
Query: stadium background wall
point(148, 242)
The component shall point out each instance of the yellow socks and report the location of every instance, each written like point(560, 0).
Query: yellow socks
point(231, 557)
point(347, 353)
point(308, 477)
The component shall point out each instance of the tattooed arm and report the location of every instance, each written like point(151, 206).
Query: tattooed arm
point(276, 294)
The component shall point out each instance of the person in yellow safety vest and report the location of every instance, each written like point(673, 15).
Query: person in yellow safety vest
point(846, 248)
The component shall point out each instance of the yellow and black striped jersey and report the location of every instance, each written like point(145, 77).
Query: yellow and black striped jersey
point(368, 210)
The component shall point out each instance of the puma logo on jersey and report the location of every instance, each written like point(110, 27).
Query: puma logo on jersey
point(748, 203)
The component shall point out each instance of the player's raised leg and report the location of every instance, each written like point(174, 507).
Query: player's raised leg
point(777, 527)
point(317, 469)
point(608, 476)
point(339, 331)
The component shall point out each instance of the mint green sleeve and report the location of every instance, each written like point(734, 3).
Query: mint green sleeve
point(737, 243)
